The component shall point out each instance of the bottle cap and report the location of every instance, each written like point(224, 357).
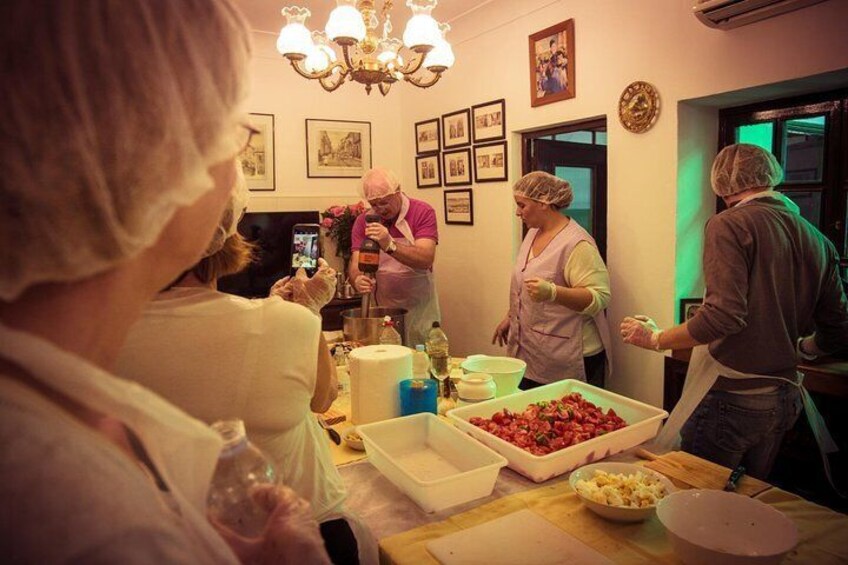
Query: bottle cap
point(436, 325)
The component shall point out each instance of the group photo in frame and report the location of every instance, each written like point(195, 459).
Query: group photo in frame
point(457, 167)
point(257, 158)
point(488, 121)
point(427, 136)
point(689, 307)
point(459, 207)
point(490, 162)
point(337, 148)
point(456, 129)
point(428, 171)
point(552, 64)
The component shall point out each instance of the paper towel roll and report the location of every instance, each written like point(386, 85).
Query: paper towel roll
point(375, 374)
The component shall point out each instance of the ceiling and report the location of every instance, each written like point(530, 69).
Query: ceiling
point(264, 15)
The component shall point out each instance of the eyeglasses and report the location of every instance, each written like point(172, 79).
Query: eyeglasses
point(384, 201)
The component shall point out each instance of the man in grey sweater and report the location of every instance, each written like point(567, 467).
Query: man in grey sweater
point(773, 294)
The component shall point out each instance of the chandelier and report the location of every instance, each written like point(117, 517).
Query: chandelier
point(370, 56)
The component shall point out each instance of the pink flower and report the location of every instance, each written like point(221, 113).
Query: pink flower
point(327, 222)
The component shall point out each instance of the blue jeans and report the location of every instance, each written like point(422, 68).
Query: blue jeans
point(730, 429)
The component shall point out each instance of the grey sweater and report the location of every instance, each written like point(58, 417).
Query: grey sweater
point(770, 277)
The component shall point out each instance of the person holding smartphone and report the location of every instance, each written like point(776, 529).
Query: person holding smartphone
point(407, 234)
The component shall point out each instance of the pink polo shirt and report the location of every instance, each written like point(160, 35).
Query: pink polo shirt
point(420, 216)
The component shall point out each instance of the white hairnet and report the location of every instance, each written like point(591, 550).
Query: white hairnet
point(231, 216)
point(379, 182)
point(742, 166)
point(112, 114)
point(545, 188)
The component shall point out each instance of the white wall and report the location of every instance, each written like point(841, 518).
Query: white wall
point(617, 42)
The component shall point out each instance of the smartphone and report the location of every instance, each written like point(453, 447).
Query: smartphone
point(306, 248)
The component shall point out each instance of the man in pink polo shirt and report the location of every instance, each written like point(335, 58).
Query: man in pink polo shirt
point(408, 235)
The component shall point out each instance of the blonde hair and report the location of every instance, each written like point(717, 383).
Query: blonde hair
point(233, 257)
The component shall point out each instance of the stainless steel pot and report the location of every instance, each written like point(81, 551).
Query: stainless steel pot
point(367, 330)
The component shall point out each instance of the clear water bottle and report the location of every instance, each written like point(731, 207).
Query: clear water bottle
point(420, 363)
point(437, 349)
point(241, 468)
point(389, 335)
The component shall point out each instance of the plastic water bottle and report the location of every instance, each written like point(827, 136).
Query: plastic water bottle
point(389, 335)
point(437, 349)
point(241, 468)
point(420, 363)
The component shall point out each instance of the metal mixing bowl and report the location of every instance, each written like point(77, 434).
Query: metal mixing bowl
point(367, 330)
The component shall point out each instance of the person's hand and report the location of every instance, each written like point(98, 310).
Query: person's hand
point(363, 284)
point(379, 233)
point(501, 332)
point(641, 331)
point(315, 292)
point(283, 289)
point(806, 348)
point(540, 290)
point(291, 534)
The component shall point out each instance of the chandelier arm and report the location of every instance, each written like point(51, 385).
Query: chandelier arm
point(413, 64)
point(384, 88)
point(347, 57)
point(322, 74)
point(329, 86)
point(423, 83)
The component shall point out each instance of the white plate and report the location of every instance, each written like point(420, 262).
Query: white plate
point(617, 513)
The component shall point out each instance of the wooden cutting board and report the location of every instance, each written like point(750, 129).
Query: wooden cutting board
point(520, 537)
point(699, 473)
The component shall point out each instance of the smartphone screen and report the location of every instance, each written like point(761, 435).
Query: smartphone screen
point(306, 247)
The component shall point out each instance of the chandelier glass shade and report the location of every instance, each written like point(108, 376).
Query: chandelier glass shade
point(369, 55)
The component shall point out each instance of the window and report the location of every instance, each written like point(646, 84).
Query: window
point(809, 137)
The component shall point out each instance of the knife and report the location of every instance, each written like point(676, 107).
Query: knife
point(735, 475)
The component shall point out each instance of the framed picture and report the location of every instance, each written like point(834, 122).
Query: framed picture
point(428, 171)
point(337, 148)
point(459, 207)
point(688, 308)
point(552, 64)
point(257, 159)
point(490, 162)
point(488, 121)
point(427, 135)
point(457, 167)
point(455, 129)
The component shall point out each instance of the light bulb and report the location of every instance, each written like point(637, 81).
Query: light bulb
point(294, 40)
point(345, 22)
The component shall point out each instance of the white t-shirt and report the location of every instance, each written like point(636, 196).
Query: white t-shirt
point(70, 495)
point(219, 356)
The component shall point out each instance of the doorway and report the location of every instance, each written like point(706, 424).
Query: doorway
point(576, 153)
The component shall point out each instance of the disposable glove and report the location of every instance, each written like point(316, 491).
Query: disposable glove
point(641, 331)
point(291, 534)
point(540, 290)
point(313, 293)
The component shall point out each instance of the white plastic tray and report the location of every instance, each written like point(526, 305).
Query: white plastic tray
point(643, 423)
point(432, 462)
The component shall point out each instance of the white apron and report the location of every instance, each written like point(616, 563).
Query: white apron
point(704, 371)
point(401, 286)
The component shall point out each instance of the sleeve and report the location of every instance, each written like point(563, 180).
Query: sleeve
point(357, 233)
point(831, 311)
point(586, 269)
point(726, 267)
point(426, 226)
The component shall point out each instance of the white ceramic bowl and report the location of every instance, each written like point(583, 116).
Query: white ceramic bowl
point(617, 513)
point(506, 371)
point(711, 526)
point(353, 440)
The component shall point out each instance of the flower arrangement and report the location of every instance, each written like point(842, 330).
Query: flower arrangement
point(338, 220)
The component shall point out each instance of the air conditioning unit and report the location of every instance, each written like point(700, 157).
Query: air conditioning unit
point(728, 14)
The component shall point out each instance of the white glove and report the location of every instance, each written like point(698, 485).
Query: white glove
point(540, 290)
point(641, 331)
point(313, 293)
point(291, 534)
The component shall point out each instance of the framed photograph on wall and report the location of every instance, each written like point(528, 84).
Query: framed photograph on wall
point(488, 121)
point(457, 167)
point(459, 207)
point(427, 136)
point(456, 130)
point(428, 171)
point(490, 162)
point(257, 158)
point(337, 148)
point(688, 308)
point(552, 64)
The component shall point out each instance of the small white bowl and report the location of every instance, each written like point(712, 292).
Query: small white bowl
point(712, 526)
point(353, 440)
point(617, 513)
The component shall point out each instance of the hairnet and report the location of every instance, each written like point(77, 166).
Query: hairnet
point(742, 166)
point(379, 182)
point(112, 114)
point(231, 216)
point(545, 188)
